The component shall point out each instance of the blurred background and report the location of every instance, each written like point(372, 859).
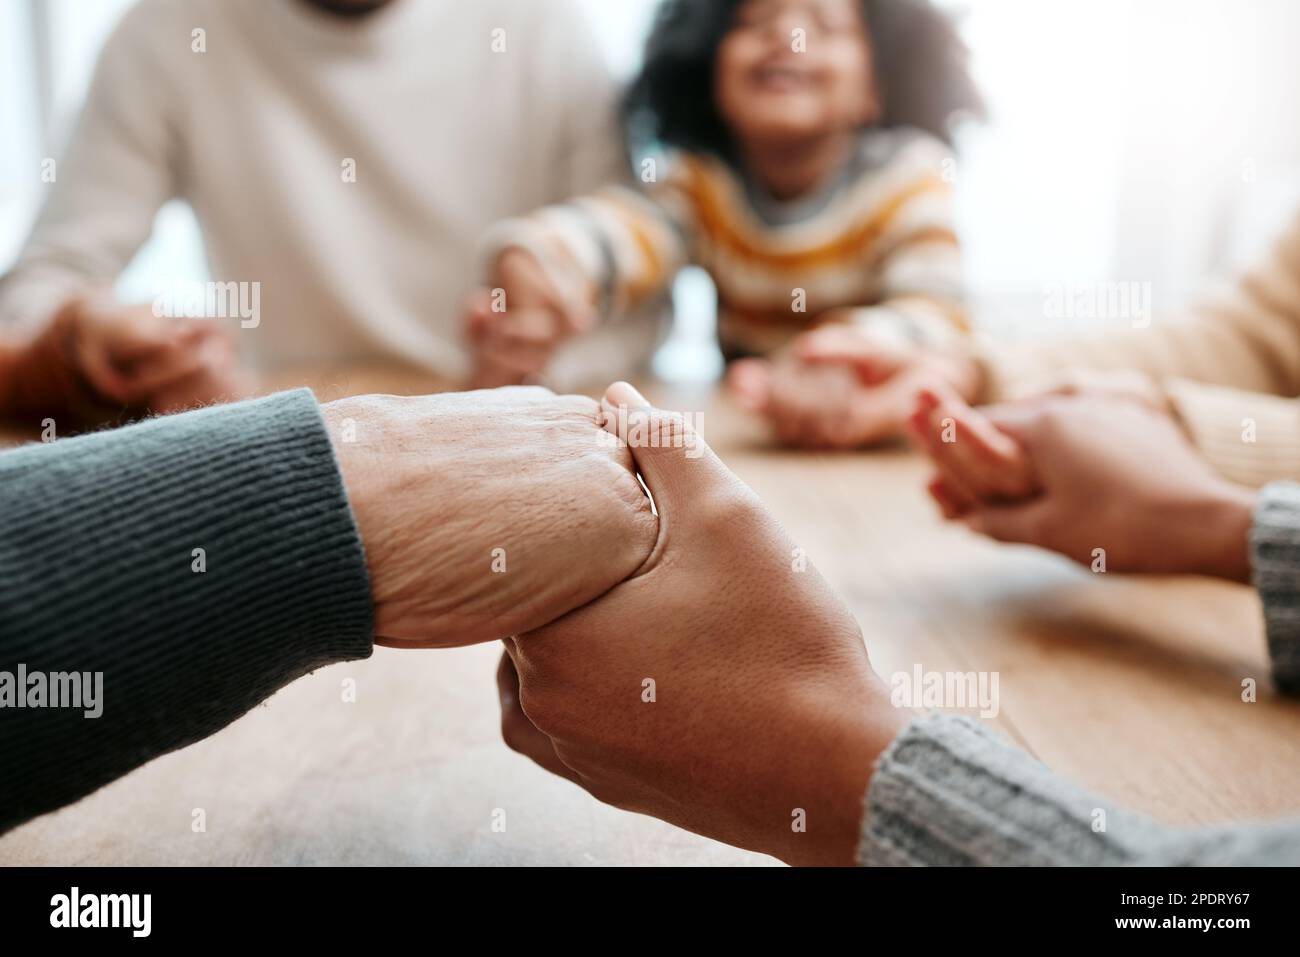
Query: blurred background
point(1129, 140)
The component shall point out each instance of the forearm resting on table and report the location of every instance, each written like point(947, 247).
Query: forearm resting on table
point(225, 561)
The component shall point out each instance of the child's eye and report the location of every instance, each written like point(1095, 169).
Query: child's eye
point(757, 14)
point(834, 16)
point(822, 16)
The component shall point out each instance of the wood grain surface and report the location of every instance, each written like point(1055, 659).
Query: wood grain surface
point(1132, 687)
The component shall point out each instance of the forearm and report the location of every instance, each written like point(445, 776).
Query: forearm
point(950, 792)
point(197, 563)
point(616, 249)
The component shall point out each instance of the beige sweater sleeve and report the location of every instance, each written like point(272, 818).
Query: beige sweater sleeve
point(1230, 368)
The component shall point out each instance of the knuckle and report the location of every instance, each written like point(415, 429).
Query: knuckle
point(514, 730)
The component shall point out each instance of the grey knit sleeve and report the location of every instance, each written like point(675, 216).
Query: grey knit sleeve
point(948, 791)
point(158, 581)
point(1275, 560)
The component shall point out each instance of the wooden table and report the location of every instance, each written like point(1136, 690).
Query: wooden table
point(1132, 687)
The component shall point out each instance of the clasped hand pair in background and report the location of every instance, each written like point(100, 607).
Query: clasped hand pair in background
point(839, 386)
point(100, 360)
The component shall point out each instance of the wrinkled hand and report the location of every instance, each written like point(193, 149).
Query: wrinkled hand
point(1078, 475)
point(844, 387)
point(131, 358)
point(723, 688)
point(511, 346)
point(486, 514)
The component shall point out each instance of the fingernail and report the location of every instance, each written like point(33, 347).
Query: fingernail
point(621, 393)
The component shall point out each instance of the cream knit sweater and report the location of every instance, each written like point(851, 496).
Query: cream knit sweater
point(348, 166)
point(1230, 368)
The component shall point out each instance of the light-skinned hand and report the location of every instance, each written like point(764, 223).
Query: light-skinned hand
point(513, 344)
point(131, 358)
point(1078, 475)
point(485, 514)
point(843, 387)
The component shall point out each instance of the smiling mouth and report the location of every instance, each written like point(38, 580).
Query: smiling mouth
point(782, 78)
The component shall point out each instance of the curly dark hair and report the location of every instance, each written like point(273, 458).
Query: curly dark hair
point(921, 67)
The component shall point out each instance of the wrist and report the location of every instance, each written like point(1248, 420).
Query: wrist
point(348, 422)
point(1224, 527)
point(849, 739)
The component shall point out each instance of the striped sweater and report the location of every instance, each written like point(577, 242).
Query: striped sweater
point(874, 246)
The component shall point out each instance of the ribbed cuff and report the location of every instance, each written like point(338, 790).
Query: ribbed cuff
point(1275, 560)
point(949, 792)
point(102, 572)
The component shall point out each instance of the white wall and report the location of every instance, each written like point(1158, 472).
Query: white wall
point(1135, 140)
point(1131, 140)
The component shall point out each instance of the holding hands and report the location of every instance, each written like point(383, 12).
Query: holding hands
point(515, 325)
point(843, 386)
point(723, 688)
point(129, 358)
point(1074, 475)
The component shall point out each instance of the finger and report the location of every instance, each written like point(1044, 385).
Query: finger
point(488, 374)
point(802, 428)
point(97, 367)
point(521, 360)
point(518, 732)
point(528, 327)
point(478, 313)
point(750, 381)
point(678, 467)
point(1023, 419)
point(873, 361)
point(170, 367)
point(834, 342)
point(928, 433)
point(138, 337)
point(971, 448)
point(1022, 524)
point(876, 417)
point(218, 379)
point(952, 502)
point(576, 317)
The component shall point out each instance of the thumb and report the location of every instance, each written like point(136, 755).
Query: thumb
point(678, 468)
